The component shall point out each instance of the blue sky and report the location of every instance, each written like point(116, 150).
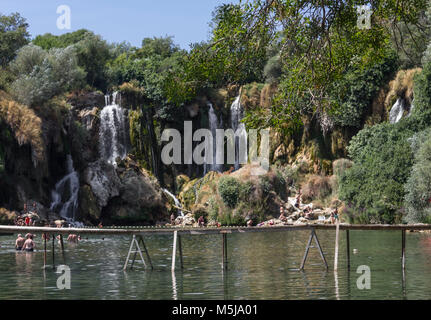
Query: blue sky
point(129, 20)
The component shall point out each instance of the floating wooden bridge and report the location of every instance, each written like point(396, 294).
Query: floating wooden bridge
point(138, 234)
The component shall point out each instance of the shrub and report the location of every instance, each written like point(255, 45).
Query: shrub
point(41, 75)
point(13, 35)
point(340, 166)
point(229, 188)
point(316, 187)
point(427, 55)
point(229, 219)
point(418, 193)
point(26, 126)
point(354, 93)
point(374, 185)
point(273, 69)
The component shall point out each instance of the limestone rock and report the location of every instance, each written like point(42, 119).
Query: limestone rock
point(103, 180)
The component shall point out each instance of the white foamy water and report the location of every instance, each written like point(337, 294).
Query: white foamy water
point(177, 202)
point(214, 125)
point(65, 195)
point(236, 115)
point(113, 130)
point(397, 111)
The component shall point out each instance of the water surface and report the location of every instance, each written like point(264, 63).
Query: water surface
point(261, 266)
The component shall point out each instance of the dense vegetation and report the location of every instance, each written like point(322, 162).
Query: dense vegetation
point(305, 70)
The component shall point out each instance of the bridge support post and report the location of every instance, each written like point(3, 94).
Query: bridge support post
point(174, 250)
point(403, 249)
point(53, 252)
point(304, 259)
point(337, 236)
point(224, 251)
point(44, 250)
point(348, 248)
point(62, 248)
point(135, 243)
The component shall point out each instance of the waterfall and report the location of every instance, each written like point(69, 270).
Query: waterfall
point(214, 125)
point(65, 195)
point(236, 115)
point(177, 202)
point(113, 132)
point(397, 111)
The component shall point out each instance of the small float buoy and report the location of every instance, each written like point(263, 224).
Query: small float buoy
point(355, 251)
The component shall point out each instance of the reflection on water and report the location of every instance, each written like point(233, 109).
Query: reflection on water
point(261, 266)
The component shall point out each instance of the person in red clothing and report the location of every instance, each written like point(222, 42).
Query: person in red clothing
point(27, 221)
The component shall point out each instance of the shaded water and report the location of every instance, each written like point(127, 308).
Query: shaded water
point(261, 266)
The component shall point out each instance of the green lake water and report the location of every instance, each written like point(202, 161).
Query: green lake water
point(261, 266)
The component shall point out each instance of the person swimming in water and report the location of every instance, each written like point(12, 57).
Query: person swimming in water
point(19, 242)
point(73, 238)
point(28, 244)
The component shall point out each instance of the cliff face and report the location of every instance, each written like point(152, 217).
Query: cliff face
point(34, 163)
point(35, 144)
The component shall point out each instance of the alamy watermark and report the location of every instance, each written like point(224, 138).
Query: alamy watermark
point(64, 280)
point(241, 146)
point(364, 281)
point(364, 17)
point(64, 21)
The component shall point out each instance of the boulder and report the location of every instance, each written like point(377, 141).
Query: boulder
point(81, 100)
point(103, 181)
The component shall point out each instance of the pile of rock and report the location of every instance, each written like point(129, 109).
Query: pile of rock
point(302, 214)
point(185, 221)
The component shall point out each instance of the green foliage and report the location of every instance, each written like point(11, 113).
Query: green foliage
point(410, 40)
point(13, 35)
point(339, 166)
point(374, 185)
point(353, 94)
point(229, 219)
point(265, 185)
point(232, 56)
point(148, 66)
point(41, 75)
point(273, 69)
point(49, 41)
point(229, 190)
point(245, 191)
point(92, 52)
point(417, 188)
point(427, 55)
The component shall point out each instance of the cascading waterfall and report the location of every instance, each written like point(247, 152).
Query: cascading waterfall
point(236, 115)
point(65, 195)
point(176, 201)
point(397, 111)
point(113, 133)
point(214, 125)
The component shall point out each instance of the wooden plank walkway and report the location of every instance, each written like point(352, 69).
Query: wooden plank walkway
point(209, 230)
point(140, 232)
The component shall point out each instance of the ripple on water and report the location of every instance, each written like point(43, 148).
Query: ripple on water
point(258, 269)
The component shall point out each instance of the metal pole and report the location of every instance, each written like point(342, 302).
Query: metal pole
point(337, 232)
point(174, 250)
point(348, 249)
point(224, 251)
point(62, 248)
point(403, 248)
point(53, 252)
point(44, 250)
point(306, 250)
point(146, 252)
